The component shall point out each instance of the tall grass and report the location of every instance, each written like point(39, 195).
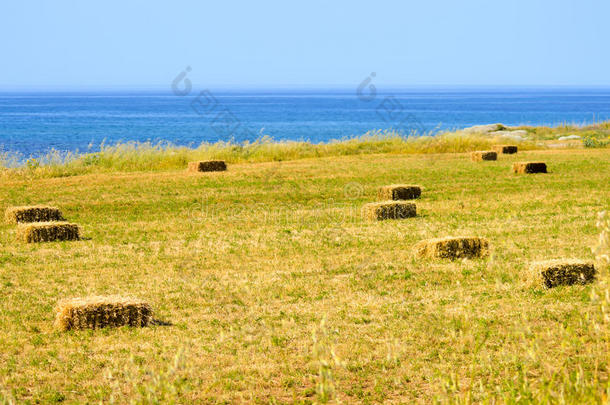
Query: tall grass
point(597, 131)
point(146, 156)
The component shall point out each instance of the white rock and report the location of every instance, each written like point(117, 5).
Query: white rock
point(484, 129)
point(569, 137)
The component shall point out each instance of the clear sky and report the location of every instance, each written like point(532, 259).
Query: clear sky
point(136, 43)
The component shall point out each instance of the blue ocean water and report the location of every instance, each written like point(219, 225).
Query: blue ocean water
point(32, 123)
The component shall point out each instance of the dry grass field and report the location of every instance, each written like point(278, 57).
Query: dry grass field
point(272, 288)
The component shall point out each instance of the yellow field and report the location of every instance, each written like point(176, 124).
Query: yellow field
point(278, 291)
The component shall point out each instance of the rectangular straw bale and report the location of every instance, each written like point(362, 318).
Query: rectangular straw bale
point(506, 149)
point(552, 273)
point(100, 312)
point(47, 231)
point(398, 192)
point(453, 247)
point(529, 167)
point(32, 213)
point(480, 155)
point(388, 210)
point(207, 166)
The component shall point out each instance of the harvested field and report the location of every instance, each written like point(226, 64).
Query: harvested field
point(276, 286)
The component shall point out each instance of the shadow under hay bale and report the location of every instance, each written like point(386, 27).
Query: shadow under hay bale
point(505, 149)
point(101, 312)
point(553, 273)
point(32, 213)
point(483, 155)
point(388, 210)
point(398, 192)
point(529, 167)
point(453, 248)
point(207, 166)
point(47, 232)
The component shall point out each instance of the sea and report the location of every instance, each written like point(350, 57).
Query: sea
point(33, 123)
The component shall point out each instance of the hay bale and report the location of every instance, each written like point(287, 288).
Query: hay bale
point(529, 167)
point(47, 232)
point(480, 155)
point(453, 247)
point(101, 312)
point(32, 213)
point(506, 149)
point(207, 166)
point(398, 192)
point(388, 210)
point(552, 273)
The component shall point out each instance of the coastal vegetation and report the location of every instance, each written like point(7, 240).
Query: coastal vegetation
point(147, 156)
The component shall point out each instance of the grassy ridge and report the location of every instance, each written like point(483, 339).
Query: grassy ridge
point(279, 292)
point(134, 156)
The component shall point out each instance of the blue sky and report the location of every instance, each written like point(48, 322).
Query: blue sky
point(310, 43)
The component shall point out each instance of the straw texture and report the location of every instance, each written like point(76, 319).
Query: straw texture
point(47, 232)
point(100, 312)
point(32, 213)
point(398, 192)
point(453, 248)
point(388, 210)
point(207, 166)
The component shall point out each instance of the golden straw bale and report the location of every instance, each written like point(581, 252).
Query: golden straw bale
point(32, 213)
point(480, 155)
point(453, 247)
point(47, 231)
point(552, 273)
point(207, 166)
point(100, 312)
point(388, 210)
point(506, 149)
point(529, 167)
point(398, 192)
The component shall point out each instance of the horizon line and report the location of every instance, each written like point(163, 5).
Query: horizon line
point(308, 87)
